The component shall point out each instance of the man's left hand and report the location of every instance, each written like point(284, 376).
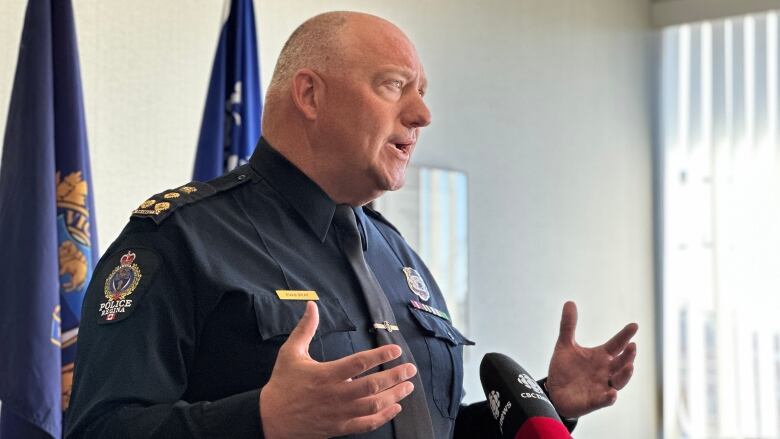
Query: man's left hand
point(582, 379)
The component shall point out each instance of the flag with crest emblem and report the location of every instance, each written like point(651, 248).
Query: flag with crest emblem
point(47, 224)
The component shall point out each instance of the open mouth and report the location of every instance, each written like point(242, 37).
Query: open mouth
point(403, 147)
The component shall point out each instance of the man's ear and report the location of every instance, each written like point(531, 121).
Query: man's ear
point(307, 89)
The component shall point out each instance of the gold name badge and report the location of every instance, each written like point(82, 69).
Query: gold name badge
point(297, 295)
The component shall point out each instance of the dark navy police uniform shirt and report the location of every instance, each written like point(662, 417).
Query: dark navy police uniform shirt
point(182, 324)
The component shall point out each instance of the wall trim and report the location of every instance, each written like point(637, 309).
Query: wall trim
point(671, 12)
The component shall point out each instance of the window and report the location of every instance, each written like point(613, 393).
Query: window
point(719, 179)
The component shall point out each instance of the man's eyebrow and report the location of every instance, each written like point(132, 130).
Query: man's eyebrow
point(423, 83)
point(406, 72)
point(403, 71)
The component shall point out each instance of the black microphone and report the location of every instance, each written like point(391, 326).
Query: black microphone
point(518, 404)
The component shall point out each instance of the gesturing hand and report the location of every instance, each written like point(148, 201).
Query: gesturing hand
point(582, 379)
point(308, 399)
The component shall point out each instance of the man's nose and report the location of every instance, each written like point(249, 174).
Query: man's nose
point(416, 113)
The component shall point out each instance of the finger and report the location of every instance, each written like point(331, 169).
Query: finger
point(374, 404)
point(377, 382)
point(370, 423)
point(607, 399)
point(620, 379)
point(626, 357)
point(616, 344)
point(568, 323)
point(355, 364)
point(301, 336)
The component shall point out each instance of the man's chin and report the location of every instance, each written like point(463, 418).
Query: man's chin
point(396, 183)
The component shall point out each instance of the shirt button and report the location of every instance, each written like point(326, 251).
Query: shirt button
point(241, 177)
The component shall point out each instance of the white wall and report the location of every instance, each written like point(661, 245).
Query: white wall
point(544, 103)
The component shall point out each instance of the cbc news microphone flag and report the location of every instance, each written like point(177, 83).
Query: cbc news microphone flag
point(231, 120)
point(47, 227)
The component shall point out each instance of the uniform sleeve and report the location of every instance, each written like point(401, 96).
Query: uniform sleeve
point(136, 344)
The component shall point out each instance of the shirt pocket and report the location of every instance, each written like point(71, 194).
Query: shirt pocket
point(277, 318)
point(445, 346)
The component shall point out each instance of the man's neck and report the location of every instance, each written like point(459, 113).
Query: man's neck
point(303, 156)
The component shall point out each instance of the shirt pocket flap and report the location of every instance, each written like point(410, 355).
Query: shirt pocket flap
point(276, 317)
point(439, 327)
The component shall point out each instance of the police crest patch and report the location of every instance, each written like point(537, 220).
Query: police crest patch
point(121, 283)
point(416, 283)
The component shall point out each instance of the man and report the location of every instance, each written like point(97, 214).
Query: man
point(246, 306)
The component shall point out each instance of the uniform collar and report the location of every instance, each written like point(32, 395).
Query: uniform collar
point(302, 193)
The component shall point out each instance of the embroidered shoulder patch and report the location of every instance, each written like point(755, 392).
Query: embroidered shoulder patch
point(123, 287)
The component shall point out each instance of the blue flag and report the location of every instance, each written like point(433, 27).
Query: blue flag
point(47, 224)
point(231, 120)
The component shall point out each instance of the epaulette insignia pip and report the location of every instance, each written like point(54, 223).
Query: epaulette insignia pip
point(159, 206)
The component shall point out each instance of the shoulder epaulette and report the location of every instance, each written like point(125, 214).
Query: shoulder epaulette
point(376, 215)
point(160, 206)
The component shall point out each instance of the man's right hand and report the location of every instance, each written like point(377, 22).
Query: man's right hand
point(308, 399)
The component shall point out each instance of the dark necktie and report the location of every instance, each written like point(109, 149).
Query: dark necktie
point(414, 421)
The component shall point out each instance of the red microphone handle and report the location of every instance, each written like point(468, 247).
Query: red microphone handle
point(540, 427)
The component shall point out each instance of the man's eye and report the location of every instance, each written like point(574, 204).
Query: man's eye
point(421, 92)
point(396, 83)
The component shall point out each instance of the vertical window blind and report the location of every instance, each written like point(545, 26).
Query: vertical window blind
point(719, 179)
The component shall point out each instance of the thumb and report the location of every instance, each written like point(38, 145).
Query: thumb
point(568, 323)
point(301, 336)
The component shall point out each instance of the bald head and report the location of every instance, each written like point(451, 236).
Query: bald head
point(322, 43)
point(312, 45)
